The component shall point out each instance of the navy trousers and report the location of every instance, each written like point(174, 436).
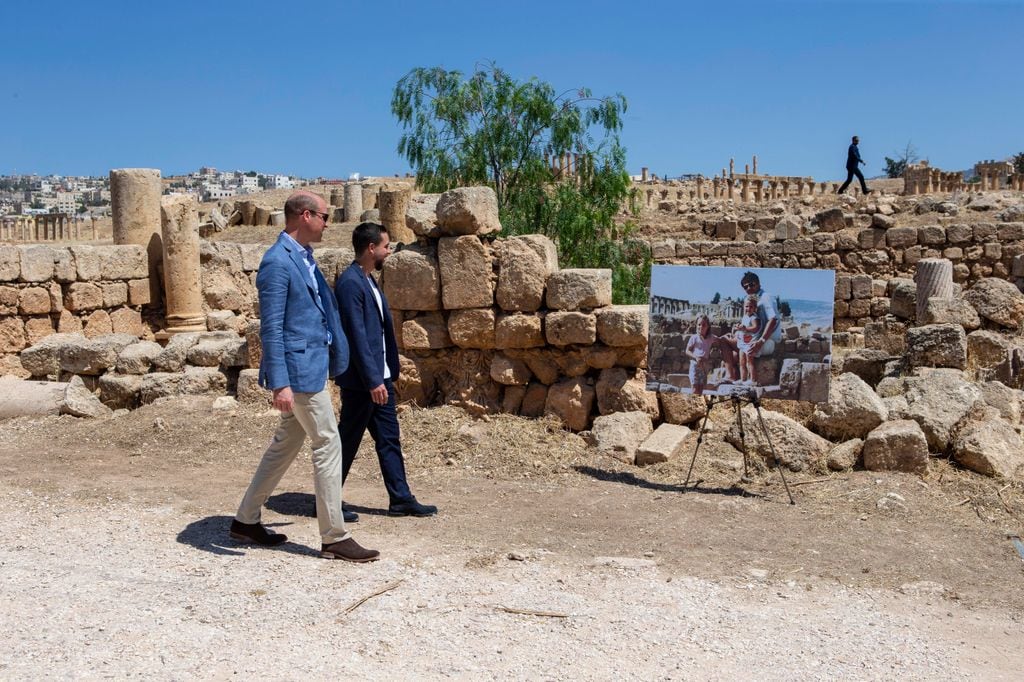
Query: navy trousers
point(358, 413)
point(850, 172)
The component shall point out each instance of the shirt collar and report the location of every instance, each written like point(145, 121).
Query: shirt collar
point(307, 249)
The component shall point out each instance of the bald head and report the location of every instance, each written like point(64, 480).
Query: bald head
point(299, 202)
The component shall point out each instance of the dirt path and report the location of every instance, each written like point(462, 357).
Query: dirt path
point(116, 562)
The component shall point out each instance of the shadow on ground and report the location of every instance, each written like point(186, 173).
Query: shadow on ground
point(628, 478)
point(211, 535)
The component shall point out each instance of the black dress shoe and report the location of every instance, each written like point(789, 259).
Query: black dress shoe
point(255, 532)
point(347, 514)
point(411, 508)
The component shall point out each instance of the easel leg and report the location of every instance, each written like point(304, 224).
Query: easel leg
point(700, 439)
point(743, 439)
point(778, 464)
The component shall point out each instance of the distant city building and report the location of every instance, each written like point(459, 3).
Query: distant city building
point(279, 182)
point(250, 183)
point(67, 202)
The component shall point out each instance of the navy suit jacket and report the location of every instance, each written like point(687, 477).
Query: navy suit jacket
point(369, 332)
point(295, 321)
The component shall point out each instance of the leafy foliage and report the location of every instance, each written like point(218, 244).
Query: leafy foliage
point(491, 129)
point(1018, 163)
point(894, 168)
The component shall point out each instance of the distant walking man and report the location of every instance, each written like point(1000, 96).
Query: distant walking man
point(367, 386)
point(852, 167)
point(303, 345)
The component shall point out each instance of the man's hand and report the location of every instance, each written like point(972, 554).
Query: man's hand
point(379, 395)
point(284, 399)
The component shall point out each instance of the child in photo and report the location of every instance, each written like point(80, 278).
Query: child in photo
point(746, 333)
point(698, 349)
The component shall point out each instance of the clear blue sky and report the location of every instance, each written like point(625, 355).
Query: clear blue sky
point(304, 87)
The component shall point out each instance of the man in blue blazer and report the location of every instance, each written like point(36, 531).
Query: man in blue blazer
point(367, 386)
point(303, 345)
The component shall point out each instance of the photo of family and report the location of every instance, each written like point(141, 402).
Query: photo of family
point(718, 330)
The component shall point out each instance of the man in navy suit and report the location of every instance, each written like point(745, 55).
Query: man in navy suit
point(367, 386)
point(303, 345)
point(853, 162)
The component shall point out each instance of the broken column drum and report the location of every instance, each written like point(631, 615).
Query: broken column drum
point(135, 210)
point(353, 202)
point(182, 276)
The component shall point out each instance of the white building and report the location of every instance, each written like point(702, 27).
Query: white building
point(67, 202)
point(279, 182)
point(250, 183)
point(210, 193)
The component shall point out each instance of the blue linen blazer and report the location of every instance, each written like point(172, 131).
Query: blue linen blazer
point(367, 329)
point(294, 322)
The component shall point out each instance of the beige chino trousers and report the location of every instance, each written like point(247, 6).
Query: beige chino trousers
point(313, 416)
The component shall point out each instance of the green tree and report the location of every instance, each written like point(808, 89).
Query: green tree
point(1018, 163)
point(716, 298)
point(488, 128)
point(894, 168)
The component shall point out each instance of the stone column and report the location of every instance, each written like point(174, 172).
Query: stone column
point(643, 174)
point(93, 220)
point(785, 187)
point(755, 164)
point(934, 279)
point(732, 167)
point(353, 202)
point(337, 197)
point(715, 187)
point(758, 191)
point(729, 188)
point(745, 193)
point(393, 204)
point(182, 277)
point(650, 194)
point(135, 208)
point(371, 190)
point(773, 192)
point(700, 188)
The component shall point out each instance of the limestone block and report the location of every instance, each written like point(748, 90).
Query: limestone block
point(861, 286)
point(681, 408)
point(795, 446)
point(867, 363)
point(10, 264)
point(120, 391)
point(9, 300)
point(12, 335)
point(56, 297)
point(159, 385)
point(42, 359)
point(845, 456)
point(425, 332)
point(814, 380)
point(63, 265)
point(38, 328)
point(79, 401)
point(888, 335)
point(620, 434)
point(541, 363)
point(222, 321)
point(87, 262)
point(248, 389)
point(512, 399)
point(468, 210)
point(218, 348)
point(901, 237)
point(937, 345)
point(522, 275)
point(252, 255)
point(571, 400)
point(951, 311)
point(1003, 398)
point(91, 356)
point(567, 328)
point(20, 398)
point(990, 352)
point(896, 446)
point(852, 411)
point(579, 288)
point(904, 299)
point(10, 366)
point(114, 294)
point(421, 215)
point(991, 447)
point(465, 266)
point(623, 325)
point(138, 357)
point(34, 301)
point(255, 345)
point(601, 357)
point(998, 301)
point(534, 400)
point(127, 321)
point(202, 381)
point(664, 444)
point(518, 331)
point(620, 390)
point(830, 220)
point(571, 363)
point(172, 358)
point(123, 262)
point(411, 279)
point(939, 400)
point(508, 371)
point(36, 263)
point(472, 327)
point(221, 290)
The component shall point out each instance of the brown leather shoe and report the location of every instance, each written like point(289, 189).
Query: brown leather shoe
point(255, 532)
point(348, 550)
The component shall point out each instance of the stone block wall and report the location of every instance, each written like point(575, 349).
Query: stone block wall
point(867, 246)
point(92, 290)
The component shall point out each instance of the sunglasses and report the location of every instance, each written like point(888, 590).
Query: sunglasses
point(323, 216)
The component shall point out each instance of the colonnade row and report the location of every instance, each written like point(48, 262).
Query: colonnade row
point(928, 180)
point(669, 307)
point(46, 227)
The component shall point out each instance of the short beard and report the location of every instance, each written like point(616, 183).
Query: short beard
point(378, 265)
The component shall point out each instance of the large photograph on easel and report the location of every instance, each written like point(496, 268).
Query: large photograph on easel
point(719, 330)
